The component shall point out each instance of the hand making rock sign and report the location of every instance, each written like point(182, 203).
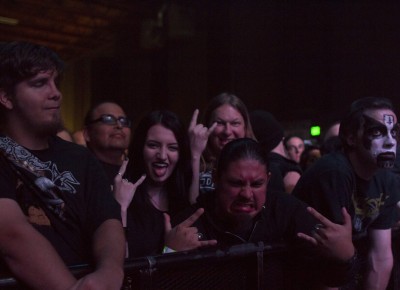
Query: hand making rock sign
point(334, 240)
point(124, 190)
point(184, 236)
point(198, 137)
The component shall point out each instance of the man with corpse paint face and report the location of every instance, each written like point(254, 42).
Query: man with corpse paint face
point(380, 138)
point(358, 179)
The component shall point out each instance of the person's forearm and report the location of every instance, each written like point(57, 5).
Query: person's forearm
point(124, 213)
point(378, 275)
point(32, 259)
point(194, 187)
point(380, 259)
point(109, 248)
point(28, 254)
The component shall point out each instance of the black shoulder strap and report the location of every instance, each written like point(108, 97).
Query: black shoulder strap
point(44, 189)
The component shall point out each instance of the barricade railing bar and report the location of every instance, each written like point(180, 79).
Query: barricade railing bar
point(238, 267)
point(166, 271)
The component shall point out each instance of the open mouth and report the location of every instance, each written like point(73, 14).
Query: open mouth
point(160, 168)
point(386, 160)
point(387, 156)
point(242, 207)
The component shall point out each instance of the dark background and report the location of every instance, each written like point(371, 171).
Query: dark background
point(304, 61)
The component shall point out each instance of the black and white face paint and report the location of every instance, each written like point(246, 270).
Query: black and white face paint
point(380, 139)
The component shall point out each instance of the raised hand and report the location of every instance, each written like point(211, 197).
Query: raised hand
point(184, 237)
point(198, 135)
point(123, 189)
point(334, 240)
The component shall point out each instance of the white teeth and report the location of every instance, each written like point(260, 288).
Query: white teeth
point(159, 164)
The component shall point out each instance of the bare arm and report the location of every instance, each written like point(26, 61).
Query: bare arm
point(194, 186)
point(109, 252)
point(290, 181)
point(28, 254)
point(380, 259)
point(198, 136)
point(124, 190)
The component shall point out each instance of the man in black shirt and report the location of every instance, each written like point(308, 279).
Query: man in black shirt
point(55, 205)
point(269, 132)
point(107, 134)
point(357, 179)
point(241, 210)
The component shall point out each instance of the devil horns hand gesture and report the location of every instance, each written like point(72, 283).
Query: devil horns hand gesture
point(125, 190)
point(184, 236)
point(334, 240)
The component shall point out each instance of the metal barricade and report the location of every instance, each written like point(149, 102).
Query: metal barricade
point(238, 267)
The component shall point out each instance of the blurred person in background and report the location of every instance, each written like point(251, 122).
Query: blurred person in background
point(269, 132)
point(294, 146)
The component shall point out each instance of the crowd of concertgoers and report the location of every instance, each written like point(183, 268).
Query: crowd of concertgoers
point(117, 190)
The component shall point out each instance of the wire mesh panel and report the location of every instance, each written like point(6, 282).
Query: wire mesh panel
point(212, 275)
point(246, 266)
point(241, 268)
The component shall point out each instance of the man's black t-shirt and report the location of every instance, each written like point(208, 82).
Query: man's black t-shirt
point(84, 199)
point(278, 223)
point(332, 184)
point(279, 166)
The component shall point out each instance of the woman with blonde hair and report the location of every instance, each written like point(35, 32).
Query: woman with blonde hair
point(226, 118)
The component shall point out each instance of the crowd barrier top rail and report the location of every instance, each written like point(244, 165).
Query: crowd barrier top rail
point(165, 260)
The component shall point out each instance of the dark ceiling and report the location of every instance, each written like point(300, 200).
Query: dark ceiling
point(73, 28)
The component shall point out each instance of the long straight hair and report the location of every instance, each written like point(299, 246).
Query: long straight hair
point(216, 102)
point(178, 183)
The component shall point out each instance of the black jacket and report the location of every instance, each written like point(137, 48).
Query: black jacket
point(278, 223)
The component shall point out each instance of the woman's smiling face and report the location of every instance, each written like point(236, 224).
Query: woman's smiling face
point(160, 153)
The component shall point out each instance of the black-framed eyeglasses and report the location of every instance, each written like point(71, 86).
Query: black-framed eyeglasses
point(111, 120)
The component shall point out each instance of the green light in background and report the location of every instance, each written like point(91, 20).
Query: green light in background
point(315, 131)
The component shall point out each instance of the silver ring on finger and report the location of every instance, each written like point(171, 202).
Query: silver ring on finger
point(119, 173)
point(317, 227)
point(199, 236)
point(125, 180)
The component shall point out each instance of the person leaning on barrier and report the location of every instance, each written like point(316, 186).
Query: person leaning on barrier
point(359, 179)
point(56, 208)
point(240, 211)
point(159, 170)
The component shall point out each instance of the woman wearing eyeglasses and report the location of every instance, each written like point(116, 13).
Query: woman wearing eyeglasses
point(159, 163)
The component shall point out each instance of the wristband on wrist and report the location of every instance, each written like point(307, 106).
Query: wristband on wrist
point(352, 260)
